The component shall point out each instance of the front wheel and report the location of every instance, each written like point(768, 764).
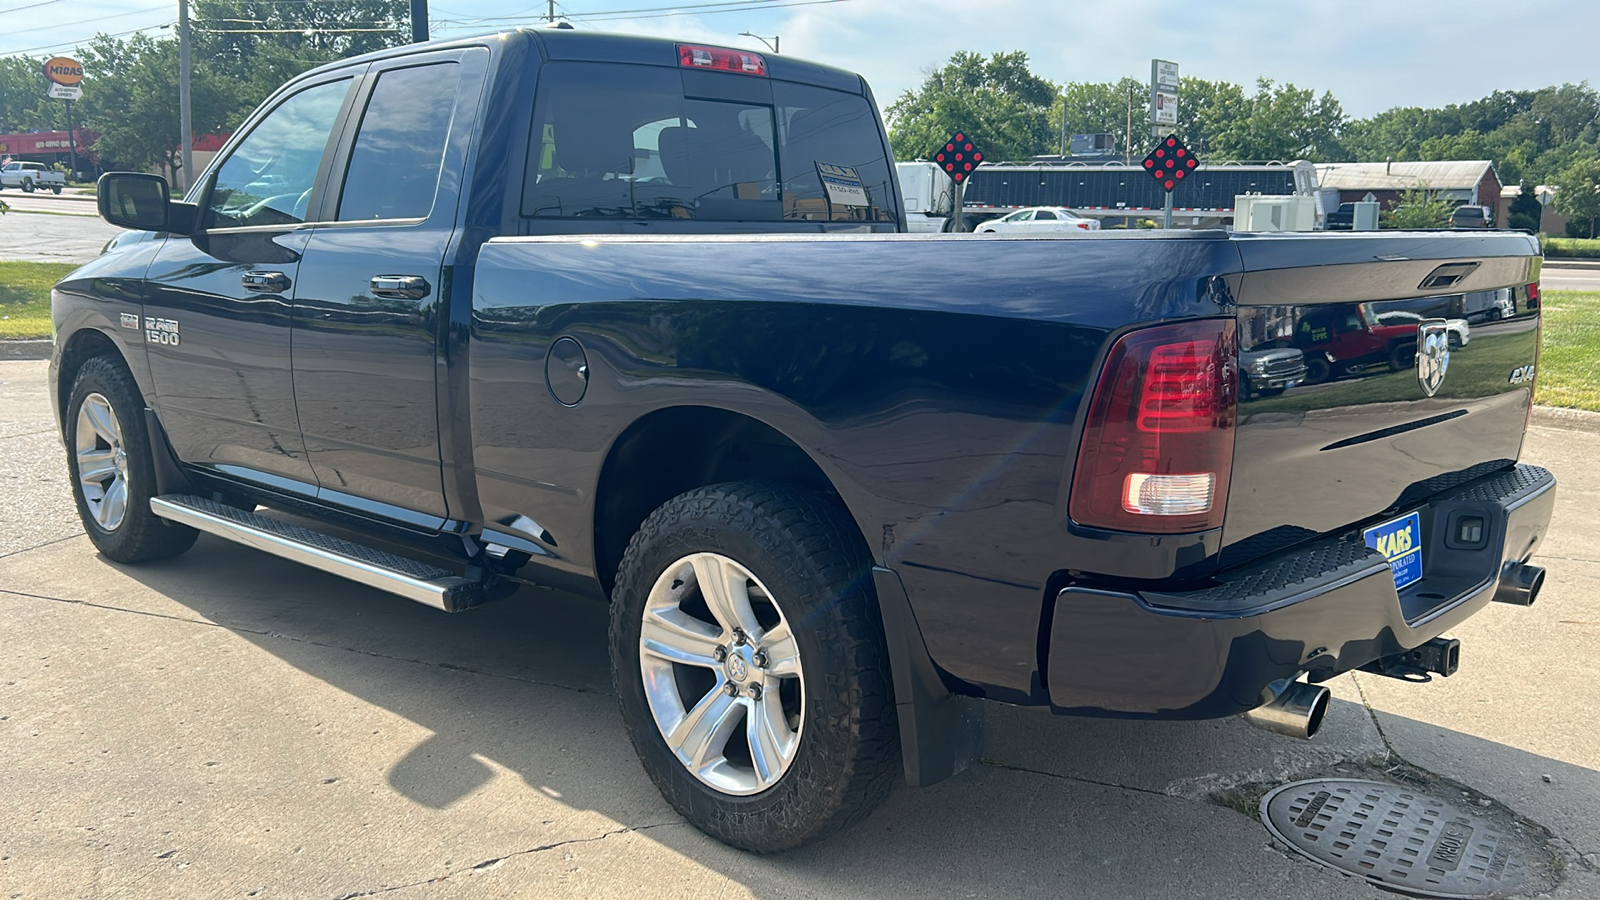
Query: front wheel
point(27, 186)
point(750, 666)
point(113, 474)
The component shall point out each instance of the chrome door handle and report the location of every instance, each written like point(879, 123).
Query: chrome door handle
point(266, 282)
point(400, 287)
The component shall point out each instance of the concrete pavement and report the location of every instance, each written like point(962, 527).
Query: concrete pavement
point(226, 724)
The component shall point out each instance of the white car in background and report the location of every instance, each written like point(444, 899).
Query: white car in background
point(1038, 220)
point(1457, 331)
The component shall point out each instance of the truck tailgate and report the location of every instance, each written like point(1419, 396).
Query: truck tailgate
point(1419, 351)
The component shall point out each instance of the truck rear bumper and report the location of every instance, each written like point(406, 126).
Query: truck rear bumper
point(1321, 608)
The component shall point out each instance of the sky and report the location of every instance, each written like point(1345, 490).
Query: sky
point(1372, 56)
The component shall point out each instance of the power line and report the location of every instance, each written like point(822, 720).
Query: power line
point(55, 25)
point(29, 6)
point(304, 31)
point(63, 43)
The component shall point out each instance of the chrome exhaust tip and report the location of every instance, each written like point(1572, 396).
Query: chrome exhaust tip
point(1295, 709)
point(1520, 586)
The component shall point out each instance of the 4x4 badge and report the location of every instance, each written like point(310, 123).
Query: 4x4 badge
point(1433, 354)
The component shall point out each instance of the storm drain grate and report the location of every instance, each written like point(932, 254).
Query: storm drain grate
point(1404, 840)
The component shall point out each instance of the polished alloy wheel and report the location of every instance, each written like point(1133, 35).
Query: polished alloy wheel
point(722, 674)
point(102, 462)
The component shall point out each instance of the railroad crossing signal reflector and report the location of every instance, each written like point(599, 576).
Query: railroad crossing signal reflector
point(1170, 163)
point(958, 157)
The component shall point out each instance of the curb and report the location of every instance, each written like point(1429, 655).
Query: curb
point(39, 349)
point(1561, 417)
point(1571, 262)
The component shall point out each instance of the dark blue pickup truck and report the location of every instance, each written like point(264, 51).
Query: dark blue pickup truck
point(635, 318)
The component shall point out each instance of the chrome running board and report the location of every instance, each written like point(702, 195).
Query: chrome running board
point(409, 578)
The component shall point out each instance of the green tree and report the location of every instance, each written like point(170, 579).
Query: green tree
point(1525, 212)
point(1280, 122)
point(23, 104)
point(133, 101)
point(1419, 207)
point(1096, 107)
point(260, 44)
point(1578, 191)
point(998, 101)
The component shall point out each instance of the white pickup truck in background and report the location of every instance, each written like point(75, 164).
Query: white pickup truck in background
point(31, 176)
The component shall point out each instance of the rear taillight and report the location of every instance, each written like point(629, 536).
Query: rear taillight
point(721, 59)
point(1158, 441)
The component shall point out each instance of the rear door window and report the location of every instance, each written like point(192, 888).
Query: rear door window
point(619, 141)
point(399, 151)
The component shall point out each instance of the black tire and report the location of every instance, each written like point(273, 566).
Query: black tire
point(27, 185)
point(1317, 370)
point(1454, 341)
point(140, 535)
point(57, 189)
point(1402, 356)
point(804, 548)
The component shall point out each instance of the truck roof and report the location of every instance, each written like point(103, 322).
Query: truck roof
point(597, 46)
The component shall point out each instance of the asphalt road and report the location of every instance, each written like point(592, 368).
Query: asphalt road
point(47, 228)
point(1570, 276)
point(229, 724)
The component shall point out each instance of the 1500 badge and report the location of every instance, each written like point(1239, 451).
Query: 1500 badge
point(161, 331)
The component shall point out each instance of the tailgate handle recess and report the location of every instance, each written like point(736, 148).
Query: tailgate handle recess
point(1447, 275)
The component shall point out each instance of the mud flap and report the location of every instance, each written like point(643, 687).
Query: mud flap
point(940, 733)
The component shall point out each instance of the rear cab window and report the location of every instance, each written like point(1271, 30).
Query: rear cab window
point(620, 141)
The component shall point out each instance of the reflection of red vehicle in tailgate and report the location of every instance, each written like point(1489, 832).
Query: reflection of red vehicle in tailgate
point(1337, 340)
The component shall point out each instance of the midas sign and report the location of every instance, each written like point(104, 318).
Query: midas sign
point(63, 70)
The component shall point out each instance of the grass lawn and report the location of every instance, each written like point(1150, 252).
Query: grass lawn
point(1583, 248)
point(25, 297)
point(1569, 360)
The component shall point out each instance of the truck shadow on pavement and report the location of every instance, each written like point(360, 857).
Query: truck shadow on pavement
point(1060, 806)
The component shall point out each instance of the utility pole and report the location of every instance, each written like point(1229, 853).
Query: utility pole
point(185, 121)
point(419, 21)
point(550, 16)
point(72, 145)
point(1127, 144)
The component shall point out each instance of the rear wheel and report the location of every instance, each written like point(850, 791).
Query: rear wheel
point(113, 474)
point(57, 189)
point(750, 666)
point(1402, 356)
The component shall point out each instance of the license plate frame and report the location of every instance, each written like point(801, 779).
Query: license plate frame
point(1400, 542)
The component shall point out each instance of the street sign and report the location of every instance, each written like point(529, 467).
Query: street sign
point(1164, 75)
point(1163, 96)
point(1164, 108)
point(65, 92)
point(63, 70)
point(1169, 163)
point(958, 157)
